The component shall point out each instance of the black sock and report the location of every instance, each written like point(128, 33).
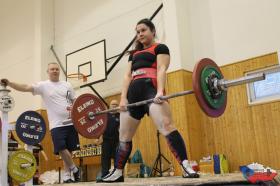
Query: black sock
point(177, 146)
point(122, 154)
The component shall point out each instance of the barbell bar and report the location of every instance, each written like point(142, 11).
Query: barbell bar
point(209, 86)
point(221, 85)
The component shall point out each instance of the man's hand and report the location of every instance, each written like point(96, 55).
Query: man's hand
point(4, 82)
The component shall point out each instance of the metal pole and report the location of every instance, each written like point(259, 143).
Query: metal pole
point(58, 60)
point(98, 95)
point(30, 149)
point(131, 43)
point(4, 141)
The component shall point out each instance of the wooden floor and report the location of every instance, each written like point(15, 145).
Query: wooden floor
point(176, 181)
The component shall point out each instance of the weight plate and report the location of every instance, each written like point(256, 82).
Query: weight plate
point(215, 101)
point(22, 166)
point(30, 127)
point(89, 128)
point(199, 91)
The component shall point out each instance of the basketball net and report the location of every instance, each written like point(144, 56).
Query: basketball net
point(76, 80)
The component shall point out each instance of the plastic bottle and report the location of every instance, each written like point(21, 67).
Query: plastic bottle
point(171, 170)
point(145, 172)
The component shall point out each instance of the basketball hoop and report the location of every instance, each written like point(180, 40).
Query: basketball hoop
point(76, 80)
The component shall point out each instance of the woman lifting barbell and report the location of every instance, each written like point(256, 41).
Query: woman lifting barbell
point(145, 79)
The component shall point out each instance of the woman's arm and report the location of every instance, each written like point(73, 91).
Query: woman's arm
point(163, 61)
point(126, 82)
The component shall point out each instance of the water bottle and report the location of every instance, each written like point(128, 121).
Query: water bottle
point(145, 172)
point(171, 170)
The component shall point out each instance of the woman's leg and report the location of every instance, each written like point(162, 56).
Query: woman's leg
point(161, 115)
point(128, 127)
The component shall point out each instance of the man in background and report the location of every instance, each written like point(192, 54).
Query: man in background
point(58, 97)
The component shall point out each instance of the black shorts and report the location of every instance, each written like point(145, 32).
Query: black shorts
point(139, 90)
point(65, 138)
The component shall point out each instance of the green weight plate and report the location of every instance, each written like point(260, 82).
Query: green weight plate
point(215, 102)
point(22, 166)
point(199, 92)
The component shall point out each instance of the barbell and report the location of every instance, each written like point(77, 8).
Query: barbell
point(89, 114)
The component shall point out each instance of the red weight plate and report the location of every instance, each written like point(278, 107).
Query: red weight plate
point(198, 91)
point(89, 128)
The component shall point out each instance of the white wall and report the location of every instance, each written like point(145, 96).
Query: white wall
point(230, 31)
point(81, 23)
point(244, 29)
point(195, 31)
point(17, 45)
point(21, 50)
point(226, 31)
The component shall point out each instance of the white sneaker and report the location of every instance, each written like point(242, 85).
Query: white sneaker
point(115, 176)
point(188, 172)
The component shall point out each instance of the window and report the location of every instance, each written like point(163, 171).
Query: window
point(266, 90)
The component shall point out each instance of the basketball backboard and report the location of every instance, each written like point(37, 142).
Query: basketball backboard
point(89, 61)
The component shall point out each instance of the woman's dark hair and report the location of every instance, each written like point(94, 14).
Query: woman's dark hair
point(148, 23)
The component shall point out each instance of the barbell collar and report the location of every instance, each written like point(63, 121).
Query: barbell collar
point(224, 84)
point(26, 165)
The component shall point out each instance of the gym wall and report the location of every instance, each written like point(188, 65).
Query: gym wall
point(227, 31)
point(245, 133)
point(25, 39)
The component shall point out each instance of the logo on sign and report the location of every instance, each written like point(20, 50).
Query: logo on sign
point(30, 136)
point(30, 118)
point(95, 126)
point(85, 105)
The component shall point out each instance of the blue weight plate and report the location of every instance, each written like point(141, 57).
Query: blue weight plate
point(31, 127)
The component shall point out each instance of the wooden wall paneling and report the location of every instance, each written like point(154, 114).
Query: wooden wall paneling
point(176, 82)
point(193, 120)
point(47, 147)
point(242, 133)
